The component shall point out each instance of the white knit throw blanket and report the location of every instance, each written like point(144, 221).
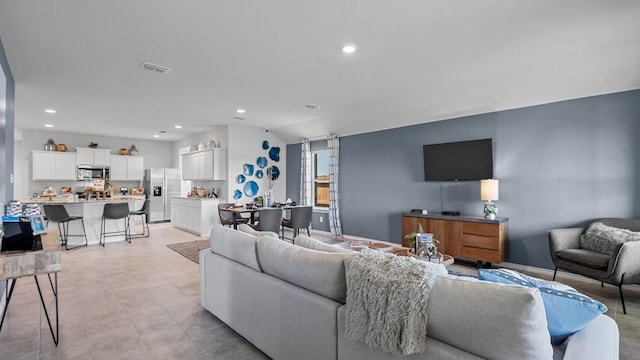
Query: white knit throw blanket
point(387, 300)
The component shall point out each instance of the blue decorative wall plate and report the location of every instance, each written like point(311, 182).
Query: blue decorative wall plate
point(248, 169)
point(265, 145)
point(237, 194)
point(240, 179)
point(251, 188)
point(259, 174)
point(262, 162)
point(275, 173)
point(274, 154)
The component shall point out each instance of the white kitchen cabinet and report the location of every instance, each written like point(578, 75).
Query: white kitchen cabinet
point(210, 164)
point(124, 167)
point(195, 215)
point(93, 157)
point(51, 165)
point(135, 168)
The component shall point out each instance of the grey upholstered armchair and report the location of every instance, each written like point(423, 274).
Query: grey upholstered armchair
point(622, 266)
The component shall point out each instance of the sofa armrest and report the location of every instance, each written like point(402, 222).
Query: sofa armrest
point(624, 260)
point(598, 340)
point(567, 238)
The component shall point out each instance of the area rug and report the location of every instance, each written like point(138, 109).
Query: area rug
point(190, 249)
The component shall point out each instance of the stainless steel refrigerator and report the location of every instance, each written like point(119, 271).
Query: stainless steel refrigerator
point(160, 185)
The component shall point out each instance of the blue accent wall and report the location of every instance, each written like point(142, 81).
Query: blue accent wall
point(560, 164)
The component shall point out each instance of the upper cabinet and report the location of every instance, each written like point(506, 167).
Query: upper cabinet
point(88, 156)
point(125, 167)
point(209, 164)
point(52, 165)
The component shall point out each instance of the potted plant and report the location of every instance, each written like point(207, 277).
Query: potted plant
point(430, 251)
point(412, 237)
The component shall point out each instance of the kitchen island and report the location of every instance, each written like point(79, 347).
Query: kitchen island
point(91, 210)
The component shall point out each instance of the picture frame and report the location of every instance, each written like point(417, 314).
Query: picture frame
point(38, 224)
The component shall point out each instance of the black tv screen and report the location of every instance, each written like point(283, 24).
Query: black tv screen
point(458, 161)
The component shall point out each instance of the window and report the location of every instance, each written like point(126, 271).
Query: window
point(320, 179)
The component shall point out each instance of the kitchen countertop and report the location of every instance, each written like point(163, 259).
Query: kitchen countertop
point(78, 201)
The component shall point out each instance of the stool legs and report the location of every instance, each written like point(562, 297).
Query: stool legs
point(145, 227)
point(63, 231)
point(104, 234)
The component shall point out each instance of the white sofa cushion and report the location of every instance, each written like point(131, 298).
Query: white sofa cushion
point(317, 271)
point(249, 230)
point(494, 321)
point(235, 245)
point(311, 243)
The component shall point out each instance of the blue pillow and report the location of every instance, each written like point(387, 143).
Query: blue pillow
point(568, 311)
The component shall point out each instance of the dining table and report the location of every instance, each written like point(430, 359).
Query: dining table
point(237, 212)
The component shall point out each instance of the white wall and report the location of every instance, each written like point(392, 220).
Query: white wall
point(219, 134)
point(156, 154)
point(246, 147)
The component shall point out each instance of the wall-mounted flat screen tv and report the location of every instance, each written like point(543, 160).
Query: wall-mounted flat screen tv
point(458, 161)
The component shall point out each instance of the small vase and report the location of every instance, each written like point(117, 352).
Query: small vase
point(133, 151)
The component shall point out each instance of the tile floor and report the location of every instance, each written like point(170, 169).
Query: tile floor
point(141, 301)
point(125, 301)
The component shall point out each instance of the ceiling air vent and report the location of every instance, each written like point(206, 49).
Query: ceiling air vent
point(153, 67)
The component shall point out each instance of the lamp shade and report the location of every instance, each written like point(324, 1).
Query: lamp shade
point(489, 189)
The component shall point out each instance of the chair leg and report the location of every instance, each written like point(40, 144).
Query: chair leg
point(145, 224)
point(554, 274)
point(624, 308)
point(102, 230)
point(86, 242)
point(308, 233)
point(601, 284)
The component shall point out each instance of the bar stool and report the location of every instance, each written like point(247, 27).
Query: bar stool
point(144, 210)
point(115, 211)
point(59, 215)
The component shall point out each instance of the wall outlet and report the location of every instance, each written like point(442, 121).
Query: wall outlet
point(321, 218)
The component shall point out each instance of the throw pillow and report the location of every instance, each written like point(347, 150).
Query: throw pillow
point(311, 243)
point(568, 311)
point(604, 239)
point(249, 230)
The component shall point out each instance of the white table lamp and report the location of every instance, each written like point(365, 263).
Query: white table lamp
point(489, 191)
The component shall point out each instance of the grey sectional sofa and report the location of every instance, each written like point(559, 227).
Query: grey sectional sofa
point(289, 301)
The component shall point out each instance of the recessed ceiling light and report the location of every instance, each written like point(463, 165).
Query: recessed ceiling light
point(349, 48)
point(240, 118)
point(162, 131)
point(50, 111)
point(241, 111)
point(48, 125)
point(313, 106)
point(156, 136)
point(178, 126)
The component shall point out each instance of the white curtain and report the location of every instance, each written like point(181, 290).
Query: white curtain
point(306, 182)
point(333, 145)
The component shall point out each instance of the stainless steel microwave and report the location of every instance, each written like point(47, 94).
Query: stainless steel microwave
point(90, 173)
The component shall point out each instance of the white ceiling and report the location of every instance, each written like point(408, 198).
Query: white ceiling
point(418, 61)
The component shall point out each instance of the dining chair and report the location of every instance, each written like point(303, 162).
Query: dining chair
point(300, 219)
point(226, 217)
point(59, 215)
point(270, 220)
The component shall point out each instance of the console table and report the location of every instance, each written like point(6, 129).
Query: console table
point(18, 264)
point(466, 236)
